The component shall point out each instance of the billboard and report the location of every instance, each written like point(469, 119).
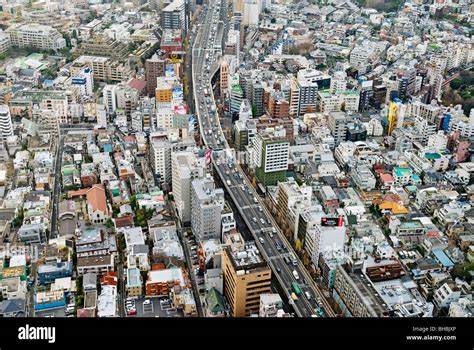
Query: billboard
point(176, 57)
point(191, 122)
point(332, 222)
point(177, 93)
point(208, 156)
point(169, 72)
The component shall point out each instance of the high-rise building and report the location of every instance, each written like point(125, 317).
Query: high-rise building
point(207, 203)
point(236, 96)
point(251, 12)
point(84, 81)
point(337, 123)
point(174, 16)
point(278, 106)
point(110, 98)
point(5, 42)
point(271, 152)
point(154, 68)
point(246, 276)
point(308, 96)
point(186, 167)
point(6, 127)
point(224, 76)
point(257, 98)
point(163, 144)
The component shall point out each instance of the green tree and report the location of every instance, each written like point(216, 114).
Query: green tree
point(463, 271)
point(109, 223)
point(133, 202)
point(455, 84)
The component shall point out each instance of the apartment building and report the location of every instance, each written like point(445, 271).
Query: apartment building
point(353, 292)
point(6, 126)
point(186, 167)
point(174, 16)
point(271, 152)
point(36, 36)
point(105, 70)
point(154, 68)
point(337, 123)
point(5, 42)
point(246, 276)
point(207, 204)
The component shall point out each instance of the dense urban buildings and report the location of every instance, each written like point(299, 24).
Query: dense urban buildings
point(245, 158)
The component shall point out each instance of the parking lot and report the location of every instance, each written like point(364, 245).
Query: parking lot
point(155, 307)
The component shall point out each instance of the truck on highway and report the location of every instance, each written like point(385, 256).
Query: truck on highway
point(228, 182)
point(255, 200)
point(296, 289)
point(295, 273)
point(294, 297)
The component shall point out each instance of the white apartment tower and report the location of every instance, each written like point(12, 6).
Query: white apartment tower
point(185, 167)
point(6, 126)
point(207, 203)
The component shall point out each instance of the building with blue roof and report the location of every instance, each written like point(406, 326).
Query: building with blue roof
point(443, 259)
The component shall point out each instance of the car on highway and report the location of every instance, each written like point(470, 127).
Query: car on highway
point(308, 295)
point(261, 240)
point(277, 246)
point(295, 274)
point(278, 270)
point(254, 219)
point(274, 230)
point(261, 220)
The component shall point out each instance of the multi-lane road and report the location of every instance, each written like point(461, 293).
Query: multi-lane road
point(275, 248)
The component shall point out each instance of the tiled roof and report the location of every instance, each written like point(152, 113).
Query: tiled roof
point(96, 198)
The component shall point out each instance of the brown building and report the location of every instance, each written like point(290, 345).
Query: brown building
point(265, 122)
point(246, 276)
point(160, 282)
point(278, 107)
point(378, 269)
point(154, 68)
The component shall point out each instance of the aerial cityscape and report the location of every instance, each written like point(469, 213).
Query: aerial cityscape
point(236, 158)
